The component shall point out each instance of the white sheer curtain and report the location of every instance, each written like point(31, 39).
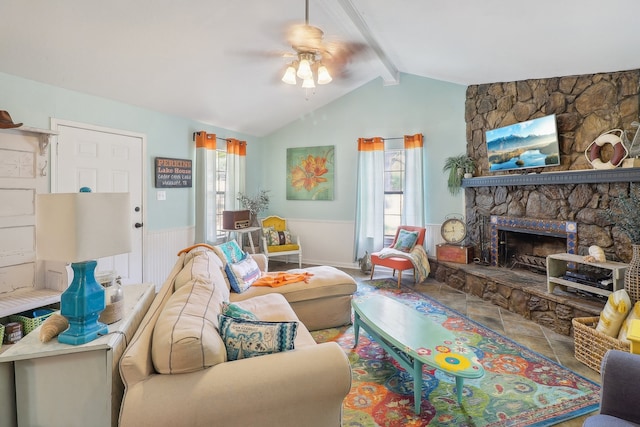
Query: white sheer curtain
point(236, 169)
point(413, 192)
point(205, 183)
point(369, 224)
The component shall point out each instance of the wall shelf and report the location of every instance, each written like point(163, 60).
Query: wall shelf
point(44, 135)
point(585, 176)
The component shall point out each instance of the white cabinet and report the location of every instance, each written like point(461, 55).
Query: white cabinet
point(558, 264)
point(63, 385)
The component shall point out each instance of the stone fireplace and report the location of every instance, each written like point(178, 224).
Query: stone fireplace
point(526, 242)
point(570, 199)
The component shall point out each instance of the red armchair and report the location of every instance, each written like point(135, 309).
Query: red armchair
point(397, 263)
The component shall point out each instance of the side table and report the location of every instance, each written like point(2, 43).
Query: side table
point(239, 232)
point(64, 385)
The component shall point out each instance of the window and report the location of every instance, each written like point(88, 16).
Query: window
point(221, 186)
point(393, 192)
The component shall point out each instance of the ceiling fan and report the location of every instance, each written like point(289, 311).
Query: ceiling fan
point(314, 57)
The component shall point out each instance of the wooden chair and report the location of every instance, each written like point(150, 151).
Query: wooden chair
point(279, 225)
point(396, 263)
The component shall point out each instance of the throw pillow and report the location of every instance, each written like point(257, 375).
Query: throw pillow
point(624, 329)
point(234, 310)
point(242, 274)
point(614, 313)
point(250, 338)
point(276, 238)
point(230, 252)
point(406, 240)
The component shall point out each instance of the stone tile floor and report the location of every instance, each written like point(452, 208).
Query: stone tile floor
point(554, 346)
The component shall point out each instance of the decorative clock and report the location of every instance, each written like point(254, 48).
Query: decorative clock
point(454, 232)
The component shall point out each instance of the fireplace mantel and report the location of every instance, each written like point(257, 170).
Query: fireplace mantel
point(585, 176)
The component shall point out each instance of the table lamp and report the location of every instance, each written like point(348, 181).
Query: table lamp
point(79, 228)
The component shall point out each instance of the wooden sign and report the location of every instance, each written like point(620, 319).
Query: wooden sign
point(173, 173)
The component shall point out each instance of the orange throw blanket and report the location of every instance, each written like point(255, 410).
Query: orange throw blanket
point(281, 278)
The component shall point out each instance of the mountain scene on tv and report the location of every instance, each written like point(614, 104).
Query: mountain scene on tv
point(529, 144)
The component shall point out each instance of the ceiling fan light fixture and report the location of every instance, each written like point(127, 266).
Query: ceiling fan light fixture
point(304, 68)
point(289, 75)
point(308, 83)
point(323, 75)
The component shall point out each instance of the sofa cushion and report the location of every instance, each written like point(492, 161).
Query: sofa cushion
point(185, 337)
point(326, 282)
point(202, 263)
point(250, 338)
point(242, 274)
point(274, 307)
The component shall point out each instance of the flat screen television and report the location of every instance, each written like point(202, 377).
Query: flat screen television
point(530, 144)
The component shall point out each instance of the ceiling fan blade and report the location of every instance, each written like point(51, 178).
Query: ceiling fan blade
point(305, 38)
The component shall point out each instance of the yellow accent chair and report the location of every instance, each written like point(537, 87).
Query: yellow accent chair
point(277, 241)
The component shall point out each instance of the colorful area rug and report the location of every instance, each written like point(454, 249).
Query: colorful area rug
point(520, 387)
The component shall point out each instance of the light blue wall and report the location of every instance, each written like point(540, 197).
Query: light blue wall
point(34, 104)
point(417, 105)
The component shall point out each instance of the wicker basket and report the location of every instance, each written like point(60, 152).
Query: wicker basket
point(30, 321)
point(591, 345)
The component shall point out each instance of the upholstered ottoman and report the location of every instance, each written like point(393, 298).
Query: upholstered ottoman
point(323, 302)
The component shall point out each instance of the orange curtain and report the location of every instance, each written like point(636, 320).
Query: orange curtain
point(204, 186)
point(413, 141)
point(236, 147)
point(371, 144)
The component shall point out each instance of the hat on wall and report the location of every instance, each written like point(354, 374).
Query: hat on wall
point(6, 122)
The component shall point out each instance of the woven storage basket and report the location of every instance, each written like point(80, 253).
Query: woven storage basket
point(591, 345)
point(29, 323)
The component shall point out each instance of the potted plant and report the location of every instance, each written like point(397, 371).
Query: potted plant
point(458, 166)
point(255, 205)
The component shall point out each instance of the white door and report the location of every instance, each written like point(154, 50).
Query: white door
point(105, 160)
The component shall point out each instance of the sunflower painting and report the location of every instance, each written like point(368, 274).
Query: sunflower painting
point(310, 173)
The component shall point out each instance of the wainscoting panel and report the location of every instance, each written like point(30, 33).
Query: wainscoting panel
point(331, 242)
point(161, 249)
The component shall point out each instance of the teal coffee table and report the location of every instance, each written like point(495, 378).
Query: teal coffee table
point(414, 340)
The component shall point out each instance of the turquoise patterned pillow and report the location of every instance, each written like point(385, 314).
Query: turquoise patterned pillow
point(250, 338)
point(406, 240)
point(242, 274)
point(231, 251)
point(233, 310)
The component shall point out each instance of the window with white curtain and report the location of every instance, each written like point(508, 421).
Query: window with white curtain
point(221, 188)
point(393, 192)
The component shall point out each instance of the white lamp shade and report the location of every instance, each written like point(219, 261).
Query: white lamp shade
point(289, 75)
point(323, 75)
point(77, 227)
point(304, 69)
point(308, 84)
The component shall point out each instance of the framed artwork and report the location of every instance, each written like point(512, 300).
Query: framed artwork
point(310, 173)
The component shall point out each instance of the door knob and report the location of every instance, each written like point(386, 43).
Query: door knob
point(138, 225)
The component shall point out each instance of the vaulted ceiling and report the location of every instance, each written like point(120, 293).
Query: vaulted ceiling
point(220, 62)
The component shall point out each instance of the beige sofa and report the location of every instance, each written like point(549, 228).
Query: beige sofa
point(199, 387)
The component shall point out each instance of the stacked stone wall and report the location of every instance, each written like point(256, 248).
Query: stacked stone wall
point(585, 107)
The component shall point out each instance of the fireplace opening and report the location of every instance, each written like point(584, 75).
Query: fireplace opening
point(528, 251)
point(526, 242)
